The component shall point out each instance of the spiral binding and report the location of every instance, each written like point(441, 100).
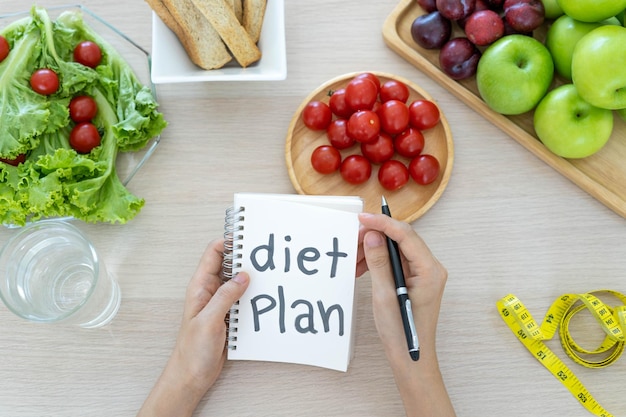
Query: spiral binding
point(233, 237)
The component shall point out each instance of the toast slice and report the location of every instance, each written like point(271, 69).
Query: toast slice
point(253, 14)
point(201, 41)
point(222, 17)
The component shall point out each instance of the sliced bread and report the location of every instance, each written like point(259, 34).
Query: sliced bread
point(201, 41)
point(223, 19)
point(253, 14)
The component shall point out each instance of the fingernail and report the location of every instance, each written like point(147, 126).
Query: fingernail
point(240, 278)
point(374, 239)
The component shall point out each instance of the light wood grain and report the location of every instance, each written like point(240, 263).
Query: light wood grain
point(506, 223)
point(408, 203)
point(603, 175)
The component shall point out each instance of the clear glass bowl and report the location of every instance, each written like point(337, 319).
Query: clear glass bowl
point(127, 163)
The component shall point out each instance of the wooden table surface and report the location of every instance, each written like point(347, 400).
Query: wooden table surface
point(507, 223)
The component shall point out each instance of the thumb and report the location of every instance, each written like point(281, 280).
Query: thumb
point(227, 294)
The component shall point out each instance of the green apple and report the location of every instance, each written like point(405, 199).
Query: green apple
point(552, 9)
point(514, 73)
point(599, 67)
point(592, 10)
point(563, 35)
point(569, 126)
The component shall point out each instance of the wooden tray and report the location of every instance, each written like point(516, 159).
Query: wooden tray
point(407, 203)
point(603, 175)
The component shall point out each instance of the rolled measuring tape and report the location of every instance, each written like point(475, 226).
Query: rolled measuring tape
point(611, 319)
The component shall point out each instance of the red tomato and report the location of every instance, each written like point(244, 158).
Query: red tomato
point(325, 159)
point(355, 169)
point(83, 109)
point(88, 53)
point(371, 77)
point(394, 90)
point(363, 126)
point(394, 116)
point(317, 115)
point(380, 150)
point(361, 94)
point(424, 169)
point(423, 114)
point(409, 143)
point(15, 161)
point(337, 134)
point(84, 137)
point(44, 81)
point(338, 105)
point(4, 48)
point(393, 175)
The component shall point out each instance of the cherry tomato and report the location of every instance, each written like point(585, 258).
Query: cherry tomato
point(394, 116)
point(363, 126)
point(355, 169)
point(83, 109)
point(409, 143)
point(394, 90)
point(424, 169)
point(84, 137)
point(325, 159)
point(371, 77)
point(15, 161)
point(380, 150)
point(423, 114)
point(44, 81)
point(393, 175)
point(337, 134)
point(361, 94)
point(4, 48)
point(88, 53)
point(338, 105)
point(317, 115)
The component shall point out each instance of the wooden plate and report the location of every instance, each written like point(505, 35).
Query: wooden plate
point(603, 175)
point(408, 203)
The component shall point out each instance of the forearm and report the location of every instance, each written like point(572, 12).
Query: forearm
point(420, 383)
point(172, 396)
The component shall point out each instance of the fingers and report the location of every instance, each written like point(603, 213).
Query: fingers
point(226, 295)
point(205, 280)
point(408, 241)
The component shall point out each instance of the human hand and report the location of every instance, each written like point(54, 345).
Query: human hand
point(199, 354)
point(420, 383)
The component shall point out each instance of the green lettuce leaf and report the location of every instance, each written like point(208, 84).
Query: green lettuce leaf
point(55, 180)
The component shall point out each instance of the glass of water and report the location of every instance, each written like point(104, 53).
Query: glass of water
point(51, 273)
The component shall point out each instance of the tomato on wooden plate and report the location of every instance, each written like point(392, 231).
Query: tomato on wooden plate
point(337, 134)
point(409, 143)
point(317, 115)
point(325, 159)
point(394, 116)
point(355, 169)
point(361, 94)
point(394, 90)
point(363, 126)
point(424, 169)
point(338, 105)
point(423, 114)
point(44, 81)
point(393, 175)
point(380, 150)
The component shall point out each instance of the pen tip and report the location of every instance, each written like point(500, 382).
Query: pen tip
point(384, 201)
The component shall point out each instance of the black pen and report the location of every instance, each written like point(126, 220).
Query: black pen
point(403, 294)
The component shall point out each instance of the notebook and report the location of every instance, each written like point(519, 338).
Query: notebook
point(300, 252)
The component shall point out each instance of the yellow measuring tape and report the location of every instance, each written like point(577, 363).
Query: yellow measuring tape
point(611, 319)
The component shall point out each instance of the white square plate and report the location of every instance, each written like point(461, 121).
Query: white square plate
point(171, 64)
